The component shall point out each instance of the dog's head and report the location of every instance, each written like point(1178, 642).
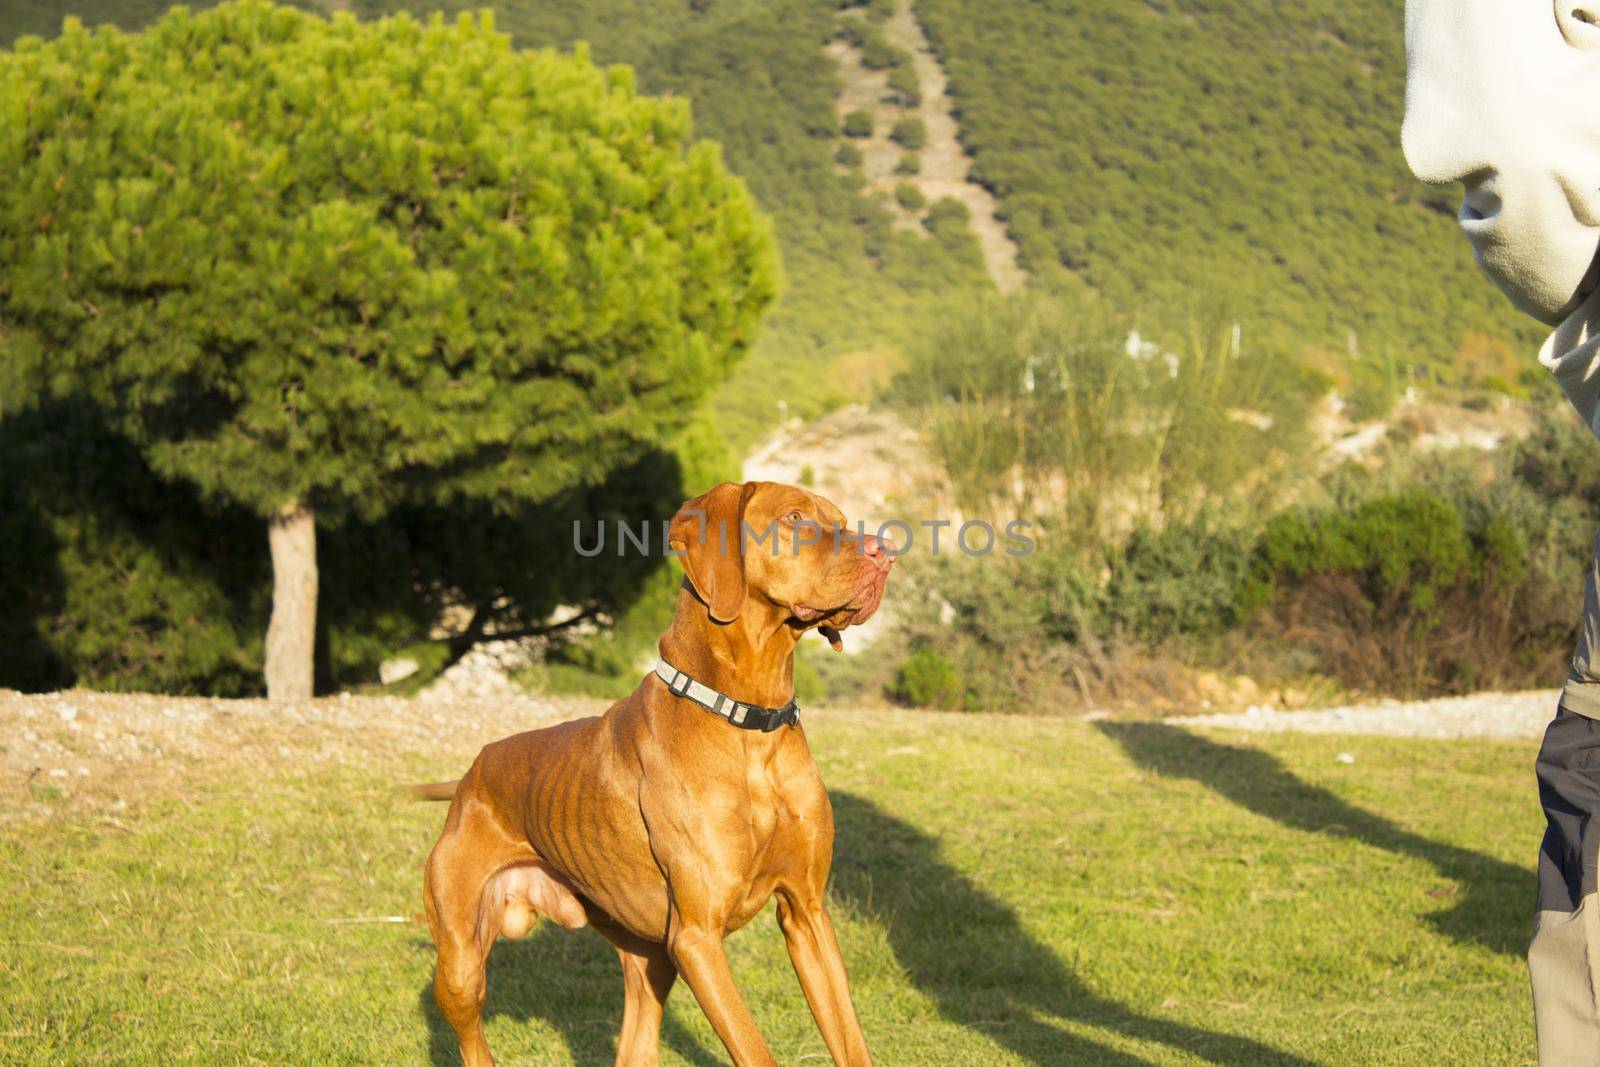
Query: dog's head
point(780, 551)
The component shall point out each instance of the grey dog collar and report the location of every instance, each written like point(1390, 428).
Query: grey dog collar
point(744, 716)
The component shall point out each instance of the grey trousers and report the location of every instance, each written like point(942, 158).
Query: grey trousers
point(1564, 958)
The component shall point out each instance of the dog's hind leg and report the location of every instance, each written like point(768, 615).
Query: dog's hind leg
point(481, 882)
point(465, 912)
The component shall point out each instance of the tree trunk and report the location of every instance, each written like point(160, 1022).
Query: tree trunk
point(292, 631)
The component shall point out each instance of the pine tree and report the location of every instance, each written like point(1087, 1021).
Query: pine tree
point(323, 267)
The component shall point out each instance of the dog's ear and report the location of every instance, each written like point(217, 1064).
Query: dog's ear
point(706, 534)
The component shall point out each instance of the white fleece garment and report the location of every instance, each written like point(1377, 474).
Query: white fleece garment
point(1572, 354)
point(1499, 98)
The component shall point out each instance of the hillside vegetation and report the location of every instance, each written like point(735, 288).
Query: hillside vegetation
point(1163, 152)
point(1188, 519)
point(1162, 148)
point(43, 17)
point(1163, 165)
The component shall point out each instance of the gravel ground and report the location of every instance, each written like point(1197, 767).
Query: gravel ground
point(109, 748)
point(104, 749)
point(1499, 716)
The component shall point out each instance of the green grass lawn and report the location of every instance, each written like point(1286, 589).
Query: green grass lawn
point(1008, 891)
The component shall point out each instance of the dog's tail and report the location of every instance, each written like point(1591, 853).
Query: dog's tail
point(434, 790)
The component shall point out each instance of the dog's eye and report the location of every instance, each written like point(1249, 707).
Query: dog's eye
point(793, 516)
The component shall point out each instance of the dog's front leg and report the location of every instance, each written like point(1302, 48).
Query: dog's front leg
point(695, 942)
point(814, 951)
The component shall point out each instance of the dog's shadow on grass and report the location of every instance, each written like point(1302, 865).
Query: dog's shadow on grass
point(1492, 906)
point(970, 954)
point(570, 980)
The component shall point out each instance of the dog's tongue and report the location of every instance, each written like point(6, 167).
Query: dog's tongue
point(833, 637)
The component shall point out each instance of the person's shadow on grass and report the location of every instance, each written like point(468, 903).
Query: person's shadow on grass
point(1492, 909)
point(969, 953)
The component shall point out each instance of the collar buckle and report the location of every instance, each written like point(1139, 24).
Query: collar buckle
point(788, 715)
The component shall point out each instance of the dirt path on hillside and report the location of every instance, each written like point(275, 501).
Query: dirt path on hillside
point(945, 164)
point(864, 90)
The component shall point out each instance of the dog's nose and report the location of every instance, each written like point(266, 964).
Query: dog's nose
point(877, 550)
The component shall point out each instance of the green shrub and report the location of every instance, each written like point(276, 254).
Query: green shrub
point(905, 86)
point(947, 213)
point(1417, 592)
point(809, 684)
point(1406, 549)
point(927, 679)
point(1184, 580)
point(858, 124)
point(848, 155)
point(908, 196)
point(852, 31)
point(910, 163)
point(878, 54)
point(909, 133)
point(949, 223)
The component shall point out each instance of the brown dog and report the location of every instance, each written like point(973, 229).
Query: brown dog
point(669, 821)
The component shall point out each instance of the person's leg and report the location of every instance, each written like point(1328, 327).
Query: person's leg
point(1564, 958)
